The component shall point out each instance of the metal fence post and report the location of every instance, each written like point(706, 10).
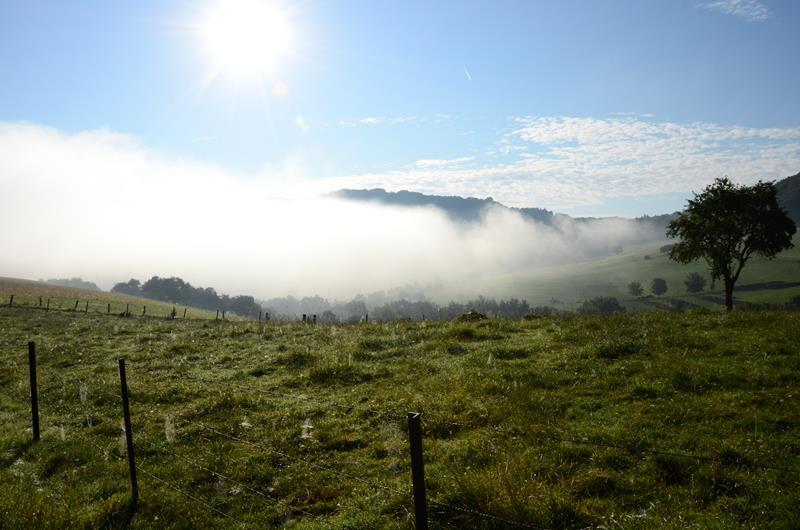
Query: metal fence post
point(128, 434)
point(417, 471)
point(34, 389)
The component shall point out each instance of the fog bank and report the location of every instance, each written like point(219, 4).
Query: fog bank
point(100, 206)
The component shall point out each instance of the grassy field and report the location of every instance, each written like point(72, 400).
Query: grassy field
point(643, 420)
point(27, 294)
point(566, 286)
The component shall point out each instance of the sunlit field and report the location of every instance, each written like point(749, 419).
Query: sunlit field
point(633, 421)
point(58, 298)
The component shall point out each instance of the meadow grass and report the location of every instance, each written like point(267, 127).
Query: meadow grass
point(631, 421)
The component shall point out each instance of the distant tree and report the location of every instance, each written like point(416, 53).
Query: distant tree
point(328, 317)
point(601, 304)
point(726, 224)
point(666, 248)
point(132, 287)
point(635, 289)
point(695, 283)
point(658, 286)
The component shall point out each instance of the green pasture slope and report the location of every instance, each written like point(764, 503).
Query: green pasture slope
point(566, 286)
point(27, 293)
point(646, 420)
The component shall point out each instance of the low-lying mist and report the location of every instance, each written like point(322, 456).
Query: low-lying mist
point(100, 206)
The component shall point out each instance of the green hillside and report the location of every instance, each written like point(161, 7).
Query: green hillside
point(567, 285)
point(27, 293)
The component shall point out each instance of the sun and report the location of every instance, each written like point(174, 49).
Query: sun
point(246, 37)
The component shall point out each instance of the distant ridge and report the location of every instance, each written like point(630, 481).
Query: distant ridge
point(470, 209)
point(466, 209)
point(78, 283)
point(789, 196)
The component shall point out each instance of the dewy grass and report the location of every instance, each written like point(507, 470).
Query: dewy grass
point(632, 421)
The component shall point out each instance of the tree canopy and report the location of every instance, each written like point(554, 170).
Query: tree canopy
point(658, 286)
point(727, 224)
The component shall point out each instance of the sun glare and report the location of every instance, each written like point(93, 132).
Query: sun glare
point(246, 37)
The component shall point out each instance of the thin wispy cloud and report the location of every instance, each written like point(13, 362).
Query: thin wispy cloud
point(376, 120)
point(750, 10)
point(444, 162)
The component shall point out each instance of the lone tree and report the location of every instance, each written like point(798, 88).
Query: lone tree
point(726, 224)
point(635, 289)
point(658, 286)
point(695, 283)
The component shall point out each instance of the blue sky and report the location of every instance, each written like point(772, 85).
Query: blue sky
point(589, 108)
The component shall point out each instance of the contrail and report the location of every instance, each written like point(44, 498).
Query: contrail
point(467, 72)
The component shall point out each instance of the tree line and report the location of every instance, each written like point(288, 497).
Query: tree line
point(290, 308)
point(177, 291)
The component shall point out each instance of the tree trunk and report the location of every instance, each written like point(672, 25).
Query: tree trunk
point(728, 294)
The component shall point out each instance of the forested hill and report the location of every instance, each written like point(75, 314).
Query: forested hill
point(457, 208)
point(469, 209)
point(789, 196)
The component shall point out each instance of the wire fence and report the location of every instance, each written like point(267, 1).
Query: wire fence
point(73, 395)
point(153, 309)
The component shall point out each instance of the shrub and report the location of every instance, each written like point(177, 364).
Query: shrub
point(695, 283)
point(601, 304)
point(658, 286)
point(635, 289)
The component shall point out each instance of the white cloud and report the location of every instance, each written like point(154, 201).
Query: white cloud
point(574, 161)
point(751, 10)
point(444, 162)
point(378, 120)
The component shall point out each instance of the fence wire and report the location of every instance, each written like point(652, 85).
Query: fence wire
point(478, 513)
point(189, 496)
point(240, 484)
point(289, 457)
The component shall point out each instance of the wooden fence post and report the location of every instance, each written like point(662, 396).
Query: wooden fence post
point(184, 312)
point(11, 301)
point(76, 305)
point(87, 307)
point(259, 316)
point(128, 434)
point(48, 305)
point(217, 317)
point(223, 314)
point(34, 389)
point(417, 471)
point(40, 301)
point(144, 309)
point(127, 310)
point(108, 309)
